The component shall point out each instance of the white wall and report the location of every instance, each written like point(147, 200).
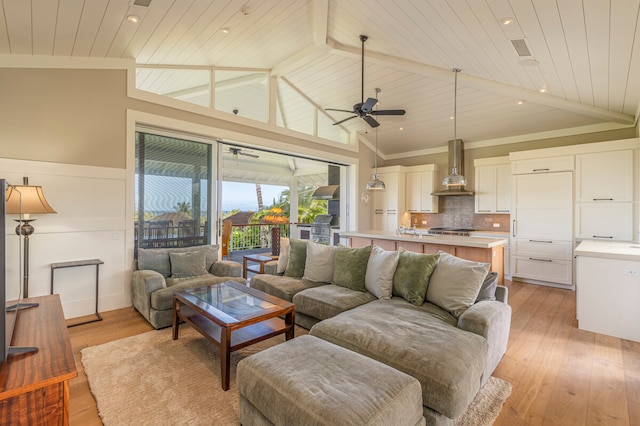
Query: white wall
point(89, 224)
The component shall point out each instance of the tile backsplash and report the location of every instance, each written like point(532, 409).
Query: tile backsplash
point(457, 212)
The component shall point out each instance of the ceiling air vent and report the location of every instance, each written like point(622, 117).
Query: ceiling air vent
point(143, 3)
point(521, 47)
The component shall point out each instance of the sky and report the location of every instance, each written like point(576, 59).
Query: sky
point(242, 196)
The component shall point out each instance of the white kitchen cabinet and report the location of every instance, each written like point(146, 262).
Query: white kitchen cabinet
point(604, 191)
point(604, 176)
point(604, 221)
point(492, 185)
point(542, 227)
point(561, 163)
point(389, 205)
point(420, 183)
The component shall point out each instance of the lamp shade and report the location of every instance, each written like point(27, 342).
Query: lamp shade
point(27, 199)
point(376, 184)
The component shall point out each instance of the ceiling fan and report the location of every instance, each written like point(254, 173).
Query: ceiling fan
point(235, 152)
point(364, 109)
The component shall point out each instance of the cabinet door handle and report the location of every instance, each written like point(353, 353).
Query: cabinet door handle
point(540, 260)
point(540, 170)
point(603, 199)
point(601, 236)
point(502, 211)
point(541, 241)
point(485, 211)
point(513, 228)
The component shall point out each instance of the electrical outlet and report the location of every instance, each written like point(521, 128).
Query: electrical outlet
point(496, 225)
point(631, 272)
point(424, 222)
point(115, 235)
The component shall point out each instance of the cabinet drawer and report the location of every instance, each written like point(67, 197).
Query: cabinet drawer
point(543, 165)
point(543, 249)
point(554, 271)
point(604, 221)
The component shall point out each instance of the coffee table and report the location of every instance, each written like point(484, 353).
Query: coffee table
point(232, 316)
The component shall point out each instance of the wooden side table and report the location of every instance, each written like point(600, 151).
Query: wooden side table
point(76, 263)
point(255, 258)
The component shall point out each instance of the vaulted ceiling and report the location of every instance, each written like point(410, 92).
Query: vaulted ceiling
point(584, 55)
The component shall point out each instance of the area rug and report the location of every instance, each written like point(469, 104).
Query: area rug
point(150, 379)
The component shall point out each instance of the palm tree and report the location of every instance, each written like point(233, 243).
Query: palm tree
point(184, 207)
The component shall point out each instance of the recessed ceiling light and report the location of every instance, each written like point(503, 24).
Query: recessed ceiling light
point(544, 90)
point(521, 102)
point(225, 30)
point(133, 18)
point(401, 128)
point(451, 118)
point(508, 20)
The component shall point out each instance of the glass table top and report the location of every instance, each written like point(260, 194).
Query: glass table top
point(232, 301)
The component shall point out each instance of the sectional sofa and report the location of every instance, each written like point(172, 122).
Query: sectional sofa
point(440, 319)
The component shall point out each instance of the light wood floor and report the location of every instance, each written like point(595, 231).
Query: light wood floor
point(560, 375)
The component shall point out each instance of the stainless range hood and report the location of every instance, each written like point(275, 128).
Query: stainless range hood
point(456, 171)
point(328, 192)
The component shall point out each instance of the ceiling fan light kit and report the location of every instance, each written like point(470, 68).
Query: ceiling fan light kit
point(364, 109)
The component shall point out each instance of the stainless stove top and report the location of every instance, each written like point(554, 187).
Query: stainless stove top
point(451, 231)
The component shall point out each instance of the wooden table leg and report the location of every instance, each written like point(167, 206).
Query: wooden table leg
point(225, 357)
point(175, 321)
point(289, 323)
point(244, 268)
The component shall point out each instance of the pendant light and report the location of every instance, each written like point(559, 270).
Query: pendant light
point(455, 180)
point(376, 184)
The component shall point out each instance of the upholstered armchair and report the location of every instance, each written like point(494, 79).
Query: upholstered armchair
point(161, 272)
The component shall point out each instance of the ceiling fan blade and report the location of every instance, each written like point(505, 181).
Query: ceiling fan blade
point(388, 112)
point(342, 121)
point(341, 110)
point(368, 106)
point(370, 121)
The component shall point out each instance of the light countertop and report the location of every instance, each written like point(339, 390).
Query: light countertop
point(609, 250)
point(450, 240)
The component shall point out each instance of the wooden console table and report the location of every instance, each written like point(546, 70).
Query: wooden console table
point(34, 387)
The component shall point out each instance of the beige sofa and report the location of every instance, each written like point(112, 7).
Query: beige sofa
point(161, 272)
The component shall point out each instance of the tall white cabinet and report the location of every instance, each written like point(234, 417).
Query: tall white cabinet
point(420, 183)
point(604, 195)
point(542, 220)
point(389, 206)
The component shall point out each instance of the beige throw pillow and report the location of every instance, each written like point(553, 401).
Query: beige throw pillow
point(319, 264)
point(283, 258)
point(381, 267)
point(455, 283)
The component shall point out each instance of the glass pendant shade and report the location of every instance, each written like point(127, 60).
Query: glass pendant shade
point(376, 184)
point(454, 179)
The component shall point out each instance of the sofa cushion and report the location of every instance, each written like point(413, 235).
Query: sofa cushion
point(412, 275)
point(448, 362)
point(329, 300)
point(282, 287)
point(319, 264)
point(187, 264)
point(488, 288)
point(163, 298)
point(158, 259)
point(283, 257)
point(381, 267)
point(455, 284)
point(297, 258)
point(350, 267)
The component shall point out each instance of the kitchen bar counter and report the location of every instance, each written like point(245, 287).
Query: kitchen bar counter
point(452, 240)
point(479, 249)
point(609, 250)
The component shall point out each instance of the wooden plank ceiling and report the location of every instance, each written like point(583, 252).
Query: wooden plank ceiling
point(584, 54)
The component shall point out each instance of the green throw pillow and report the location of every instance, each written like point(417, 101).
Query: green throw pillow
point(297, 258)
point(188, 264)
point(350, 267)
point(412, 276)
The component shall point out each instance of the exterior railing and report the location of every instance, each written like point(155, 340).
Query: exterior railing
point(257, 235)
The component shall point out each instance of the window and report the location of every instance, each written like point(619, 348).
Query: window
point(189, 85)
point(172, 187)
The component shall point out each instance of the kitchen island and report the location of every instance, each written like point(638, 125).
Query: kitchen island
point(608, 288)
point(479, 249)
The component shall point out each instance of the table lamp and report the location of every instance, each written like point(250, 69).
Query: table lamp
point(26, 200)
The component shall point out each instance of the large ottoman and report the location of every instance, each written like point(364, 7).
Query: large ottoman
point(313, 382)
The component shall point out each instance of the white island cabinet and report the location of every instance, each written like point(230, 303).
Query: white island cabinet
point(608, 288)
